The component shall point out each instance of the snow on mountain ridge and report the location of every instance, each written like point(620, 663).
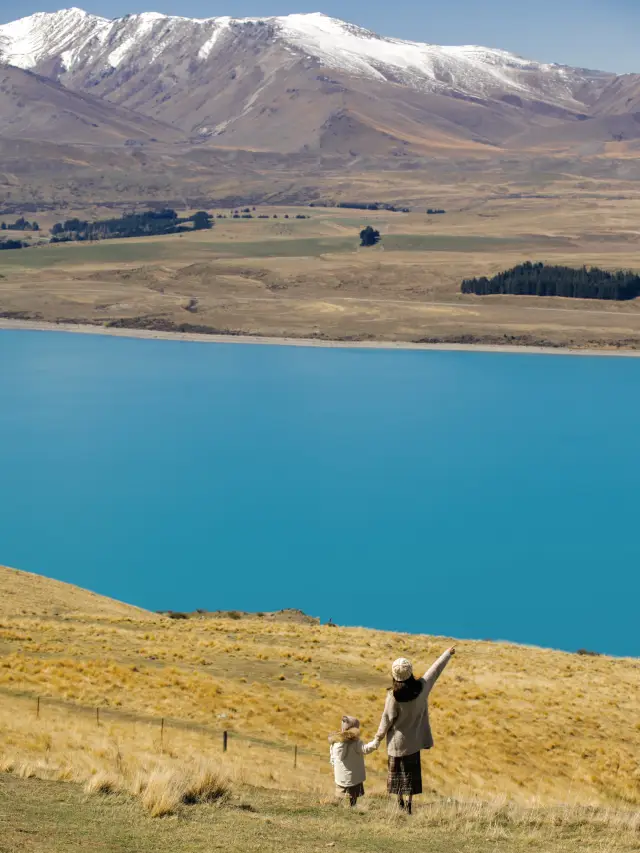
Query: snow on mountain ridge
point(73, 38)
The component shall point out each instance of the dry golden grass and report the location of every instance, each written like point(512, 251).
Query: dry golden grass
point(533, 726)
point(121, 759)
point(127, 756)
point(26, 594)
point(166, 790)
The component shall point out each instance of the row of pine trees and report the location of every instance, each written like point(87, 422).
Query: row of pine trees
point(132, 225)
point(538, 279)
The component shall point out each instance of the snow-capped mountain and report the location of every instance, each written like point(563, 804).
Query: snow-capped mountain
point(78, 47)
point(173, 102)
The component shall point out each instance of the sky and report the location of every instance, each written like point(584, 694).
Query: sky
point(598, 34)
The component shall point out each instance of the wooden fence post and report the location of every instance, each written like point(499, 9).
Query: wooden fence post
point(162, 735)
point(295, 757)
point(38, 709)
point(225, 738)
point(97, 716)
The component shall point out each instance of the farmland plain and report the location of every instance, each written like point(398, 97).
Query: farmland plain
point(309, 278)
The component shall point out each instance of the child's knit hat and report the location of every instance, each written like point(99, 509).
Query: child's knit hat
point(350, 723)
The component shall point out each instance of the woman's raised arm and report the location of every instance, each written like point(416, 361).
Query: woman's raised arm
point(435, 670)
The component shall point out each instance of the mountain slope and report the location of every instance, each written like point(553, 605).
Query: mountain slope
point(34, 107)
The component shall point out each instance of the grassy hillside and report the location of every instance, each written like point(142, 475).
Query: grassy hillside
point(23, 594)
point(530, 724)
point(535, 749)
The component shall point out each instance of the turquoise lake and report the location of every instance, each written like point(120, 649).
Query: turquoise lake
point(481, 495)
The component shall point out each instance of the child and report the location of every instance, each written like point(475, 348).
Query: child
point(347, 753)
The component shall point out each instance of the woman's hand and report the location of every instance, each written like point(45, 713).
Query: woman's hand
point(452, 650)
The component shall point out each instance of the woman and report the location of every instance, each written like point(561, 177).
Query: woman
point(405, 723)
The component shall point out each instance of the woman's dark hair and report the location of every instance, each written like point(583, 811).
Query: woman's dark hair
point(406, 691)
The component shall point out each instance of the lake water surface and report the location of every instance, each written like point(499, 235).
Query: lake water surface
point(467, 494)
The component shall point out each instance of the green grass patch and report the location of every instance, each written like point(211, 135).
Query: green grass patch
point(58, 817)
point(446, 243)
point(109, 252)
point(114, 252)
point(302, 247)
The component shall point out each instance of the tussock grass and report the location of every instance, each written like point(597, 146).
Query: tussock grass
point(167, 789)
point(117, 761)
point(103, 783)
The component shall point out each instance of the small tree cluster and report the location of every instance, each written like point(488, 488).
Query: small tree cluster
point(372, 205)
point(20, 224)
point(369, 236)
point(12, 244)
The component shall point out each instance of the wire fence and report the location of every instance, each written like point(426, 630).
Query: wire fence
point(222, 740)
point(41, 706)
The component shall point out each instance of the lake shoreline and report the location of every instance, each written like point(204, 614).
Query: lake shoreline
point(233, 338)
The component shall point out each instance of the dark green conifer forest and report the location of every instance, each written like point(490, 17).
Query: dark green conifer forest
point(531, 279)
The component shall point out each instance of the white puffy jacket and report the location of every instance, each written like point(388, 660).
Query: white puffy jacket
point(346, 754)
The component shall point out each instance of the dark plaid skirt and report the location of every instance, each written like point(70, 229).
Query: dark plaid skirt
point(404, 775)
